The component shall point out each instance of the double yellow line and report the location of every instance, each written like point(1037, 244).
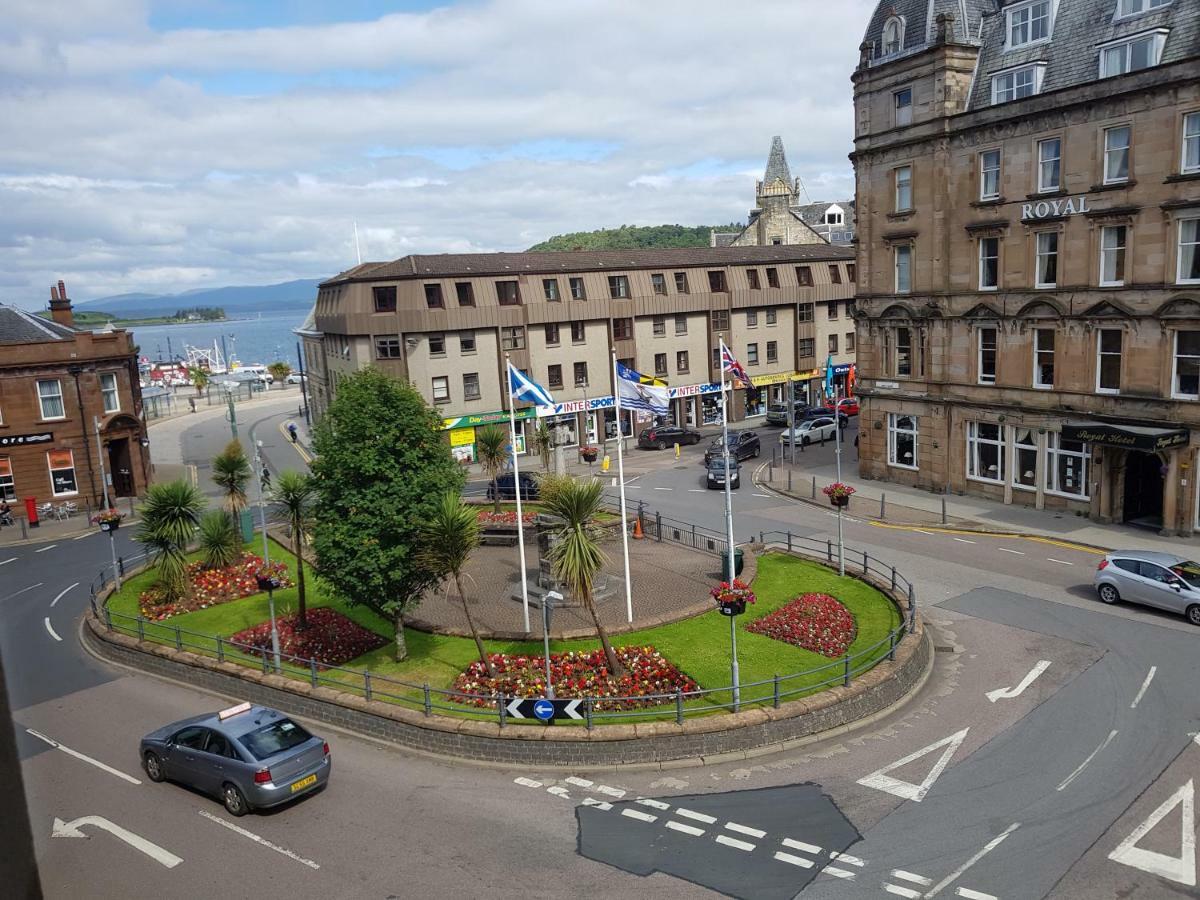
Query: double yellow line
point(299, 448)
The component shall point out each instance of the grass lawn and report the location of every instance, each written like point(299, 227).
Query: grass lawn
point(698, 646)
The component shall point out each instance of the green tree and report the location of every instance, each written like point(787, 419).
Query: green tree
point(167, 522)
point(449, 536)
point(295, 493)
point(382, 463)
point(231, 473)
point(575, 554)
point(491, 448)
point(199, 379)
point(543, 443)
point(219, 540)
point(279, 370)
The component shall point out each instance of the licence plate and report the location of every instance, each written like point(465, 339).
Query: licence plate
point(303, 783)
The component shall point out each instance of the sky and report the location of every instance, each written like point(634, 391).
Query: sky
point(161, 147)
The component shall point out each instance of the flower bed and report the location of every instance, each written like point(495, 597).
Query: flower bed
point(816, 622)
point(509, 517)
point(330, 638)
point(210, 587)
point(576, 674)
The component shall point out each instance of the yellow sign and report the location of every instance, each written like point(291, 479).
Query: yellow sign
point(763, 380)
point(462, 437)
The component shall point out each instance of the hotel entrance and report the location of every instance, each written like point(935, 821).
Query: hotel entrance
point(1143, 495)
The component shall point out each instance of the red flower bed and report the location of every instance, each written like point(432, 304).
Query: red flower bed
point(576, 674)
point(210, 587)
point(330, 638)
point(816, 622)
point(507, 517)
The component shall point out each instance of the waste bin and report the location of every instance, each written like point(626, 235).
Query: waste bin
point(246, 521)
point(737, 563)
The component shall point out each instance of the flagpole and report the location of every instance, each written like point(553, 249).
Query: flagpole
point(512, 431)
point(621, 482)
point(730, 567)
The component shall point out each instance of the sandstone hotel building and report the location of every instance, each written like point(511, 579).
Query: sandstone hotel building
point(1028, 202)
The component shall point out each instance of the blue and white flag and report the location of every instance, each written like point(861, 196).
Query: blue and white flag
point(829, 383)
point(638, 391)
point(522, 388)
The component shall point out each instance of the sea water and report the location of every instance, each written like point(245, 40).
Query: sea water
point(248, 339)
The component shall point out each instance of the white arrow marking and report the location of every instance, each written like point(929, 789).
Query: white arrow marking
point(1010, 692)
point(1181, 869)
point(50, 629)
point(513, 708)
point(87, 759)
point(155, 852)
point(570, 708)
point(880, 780)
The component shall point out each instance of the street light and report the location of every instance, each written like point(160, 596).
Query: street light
point(548, 602)
point(837, 430)
point(262, 516)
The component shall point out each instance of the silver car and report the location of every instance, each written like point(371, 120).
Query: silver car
point(810, 431)
point(251, 757)
point(1163, 580)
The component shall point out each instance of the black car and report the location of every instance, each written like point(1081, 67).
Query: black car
point(716, 475)
point(778, 414)
point(742, 445)
point(661, 437)
point(506, 486)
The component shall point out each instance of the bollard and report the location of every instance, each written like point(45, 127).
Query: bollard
point(503, 710)
point(771, 472)
point(776, 700)
point(773, 456)
point(24, 532)
point(678, 706)
point(882, 505)
point(366, 685)
point(428, 699)
point(814, 487)
point(220, 649)
point(141, 629)
point(178, 639)
point(312, 669)
point(846, 661)
point(943, 510)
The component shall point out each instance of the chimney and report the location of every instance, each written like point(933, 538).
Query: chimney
point(60, 306)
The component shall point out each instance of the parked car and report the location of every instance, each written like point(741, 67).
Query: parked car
point(663, 436)
point(742, 445)
point(810, 431)
point(716, 474)
point(506, 485)
point(296, 378)
point(1163, 580)
point(849, 406)
point(251, 757)
point(777, 414)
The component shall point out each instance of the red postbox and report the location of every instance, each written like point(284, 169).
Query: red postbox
point(31, 511)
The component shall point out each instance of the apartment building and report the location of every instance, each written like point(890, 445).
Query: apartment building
point(1028, 203)
point(447, 322)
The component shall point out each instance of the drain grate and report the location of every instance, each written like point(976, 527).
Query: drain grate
point(943, 648)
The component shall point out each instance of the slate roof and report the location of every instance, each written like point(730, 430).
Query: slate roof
point(920, 22)
point(20, 327)
point(814, 213)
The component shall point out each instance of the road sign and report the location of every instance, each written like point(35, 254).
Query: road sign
point(544, 709)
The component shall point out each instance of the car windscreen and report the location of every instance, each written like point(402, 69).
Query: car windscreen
point(274, 738)
point(1189, 572)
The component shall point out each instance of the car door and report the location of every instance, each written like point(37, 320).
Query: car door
point(1127, 574)
point(1161, 588)
point(213, 763)
point(183, 760)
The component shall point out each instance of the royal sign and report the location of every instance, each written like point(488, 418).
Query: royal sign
point(1054, 209)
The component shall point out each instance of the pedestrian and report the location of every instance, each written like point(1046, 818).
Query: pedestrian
point(266, 477)
point(291, 429)
point(856, 456)
point(192, 403)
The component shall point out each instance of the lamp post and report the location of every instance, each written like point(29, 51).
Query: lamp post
point(262, 517)
point(837, 430)
point(548, 602)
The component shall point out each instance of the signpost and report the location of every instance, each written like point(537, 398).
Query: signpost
point(544, 709)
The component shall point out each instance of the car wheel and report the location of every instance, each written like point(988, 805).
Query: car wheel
point(1193, 614)
point(235, 802)
point(154, 767)
point(1110, 595)
point(660, 446)
point(757, 450)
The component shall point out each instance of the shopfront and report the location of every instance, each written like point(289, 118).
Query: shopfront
point(461, 430)
point(694, 405)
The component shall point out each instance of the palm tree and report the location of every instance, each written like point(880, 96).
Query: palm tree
point(295, 492)
point(575, 554)
point(219, 540)
point(543, 443)
point(168, 519)
point(448, 536)
point(231, 472)
point(199, 379)
point(491, 446)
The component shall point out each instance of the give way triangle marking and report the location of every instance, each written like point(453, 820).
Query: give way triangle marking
point(882, 781)
point(1182, 868)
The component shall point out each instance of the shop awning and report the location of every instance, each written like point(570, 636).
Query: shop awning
point(1132, 437)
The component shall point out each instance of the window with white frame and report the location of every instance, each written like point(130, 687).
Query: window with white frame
point(985, 451)
point(1189, 160)
point(1047, 259)
point(1188, 271)
point(903, 105)
point(1049, 165)
point(1132, 54)
point(1108, 360)
point(441, 389)
point(1015, 84)
point(1028, 23)
point(989, 263)
point(1112, 255)
point(8, 487)
point(989, 175)
point(1116, 154)
point(1133, 7)
point(51, 399)
point(1185, 369)
point(904, 353)
point(1066, 466)
point(1043, 358)
point(62, 472)
point(109, 393)
point(903, 266)
point(1025, 452)
point(902, 441)
point(904, 197)
point(893, 35)
point(986, 352)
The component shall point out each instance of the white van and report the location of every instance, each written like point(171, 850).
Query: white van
point(253, 373)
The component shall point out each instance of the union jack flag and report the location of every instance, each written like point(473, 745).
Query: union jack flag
point(733, 368)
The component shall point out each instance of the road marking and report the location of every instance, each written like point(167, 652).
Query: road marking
point(1009, 692)
point(987, 848)
point(837, 873)
point(50, 629)
point(259, 840)
point(697, 491)
point(664, 489)
point(639, 815)
point(1006, 550)
point(1112, 734)
point(7, 561)
point(974, 895)
point(602, 805)
point(880, 780)
point(742, 829)
point(527, 782)
point(767, 496)
point(44, 549)
point(559, 792)
point(851, 860)
point(653, 804)
point(686, 829)
point(610, 791)
point(1180, 869)
point(296, 445)
point(1061, 562)
point(964, 541)
point(699, 817)
point(901, 891)
point(1145, 684)
point(734, 842)
point(24, 590)
point(87, 759)
point(61, 595)
point(793, 860)
point(86, 534)
point(72, 830)
point(579, 782)
point(919, 531)
point(800, 845)
point(911, 876)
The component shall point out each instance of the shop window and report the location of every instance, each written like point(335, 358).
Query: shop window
point(433, 296)
point(902, 441)
point(8, 487)
point(1108, 361)
point(1024, 474)
point(465, 293)
point(441, 389)
point(471, 386)
point(62, 472)
point(508, 293)
point(110, 395)
point(1185, 374)
point(51, 399)
point(985, 451)
point(1043, 358)
point(1066, 466)
point(986, 353)
point(385, 298)
point(550, 290)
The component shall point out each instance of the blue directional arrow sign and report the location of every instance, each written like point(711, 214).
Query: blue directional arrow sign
point(544, 709)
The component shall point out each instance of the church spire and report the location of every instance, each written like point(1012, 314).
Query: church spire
point(777, 167)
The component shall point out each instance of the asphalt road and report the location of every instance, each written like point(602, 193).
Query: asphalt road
point(1075, 778)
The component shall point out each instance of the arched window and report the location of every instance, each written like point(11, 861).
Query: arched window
point(893, 35)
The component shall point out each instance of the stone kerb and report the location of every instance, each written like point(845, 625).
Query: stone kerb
point(696, 741)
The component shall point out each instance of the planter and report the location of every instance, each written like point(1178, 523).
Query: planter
point(732, 607)
point(267, 582)
point(109, 526)
point(589, 456)
point(839, 501)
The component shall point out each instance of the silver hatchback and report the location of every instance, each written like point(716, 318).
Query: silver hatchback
point(1162, 580)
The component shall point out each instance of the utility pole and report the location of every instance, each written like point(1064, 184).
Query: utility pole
point(262, 517)
point(232, 416)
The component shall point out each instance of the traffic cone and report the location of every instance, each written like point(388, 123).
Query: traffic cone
point(637, 530)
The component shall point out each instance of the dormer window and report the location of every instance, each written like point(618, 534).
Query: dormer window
point(1131, 54)
point(1029, 23)
point(893, 35)
point(834, 216)
point(1017, 83)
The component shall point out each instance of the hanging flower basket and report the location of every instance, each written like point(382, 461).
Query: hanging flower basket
point(108, 520)
point(838, 494)
point(589, 454)
point(732, 599)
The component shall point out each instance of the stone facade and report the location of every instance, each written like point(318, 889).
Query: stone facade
point(1029, 303)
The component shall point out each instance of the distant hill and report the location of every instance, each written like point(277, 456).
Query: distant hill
point(635, 237)
point(240, 299)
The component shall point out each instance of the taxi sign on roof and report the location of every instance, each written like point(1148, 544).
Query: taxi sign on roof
point(234, 710)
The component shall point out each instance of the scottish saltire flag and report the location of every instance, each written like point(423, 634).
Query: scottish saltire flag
point(734, 368)
point(522, 388)
point(638, 391)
